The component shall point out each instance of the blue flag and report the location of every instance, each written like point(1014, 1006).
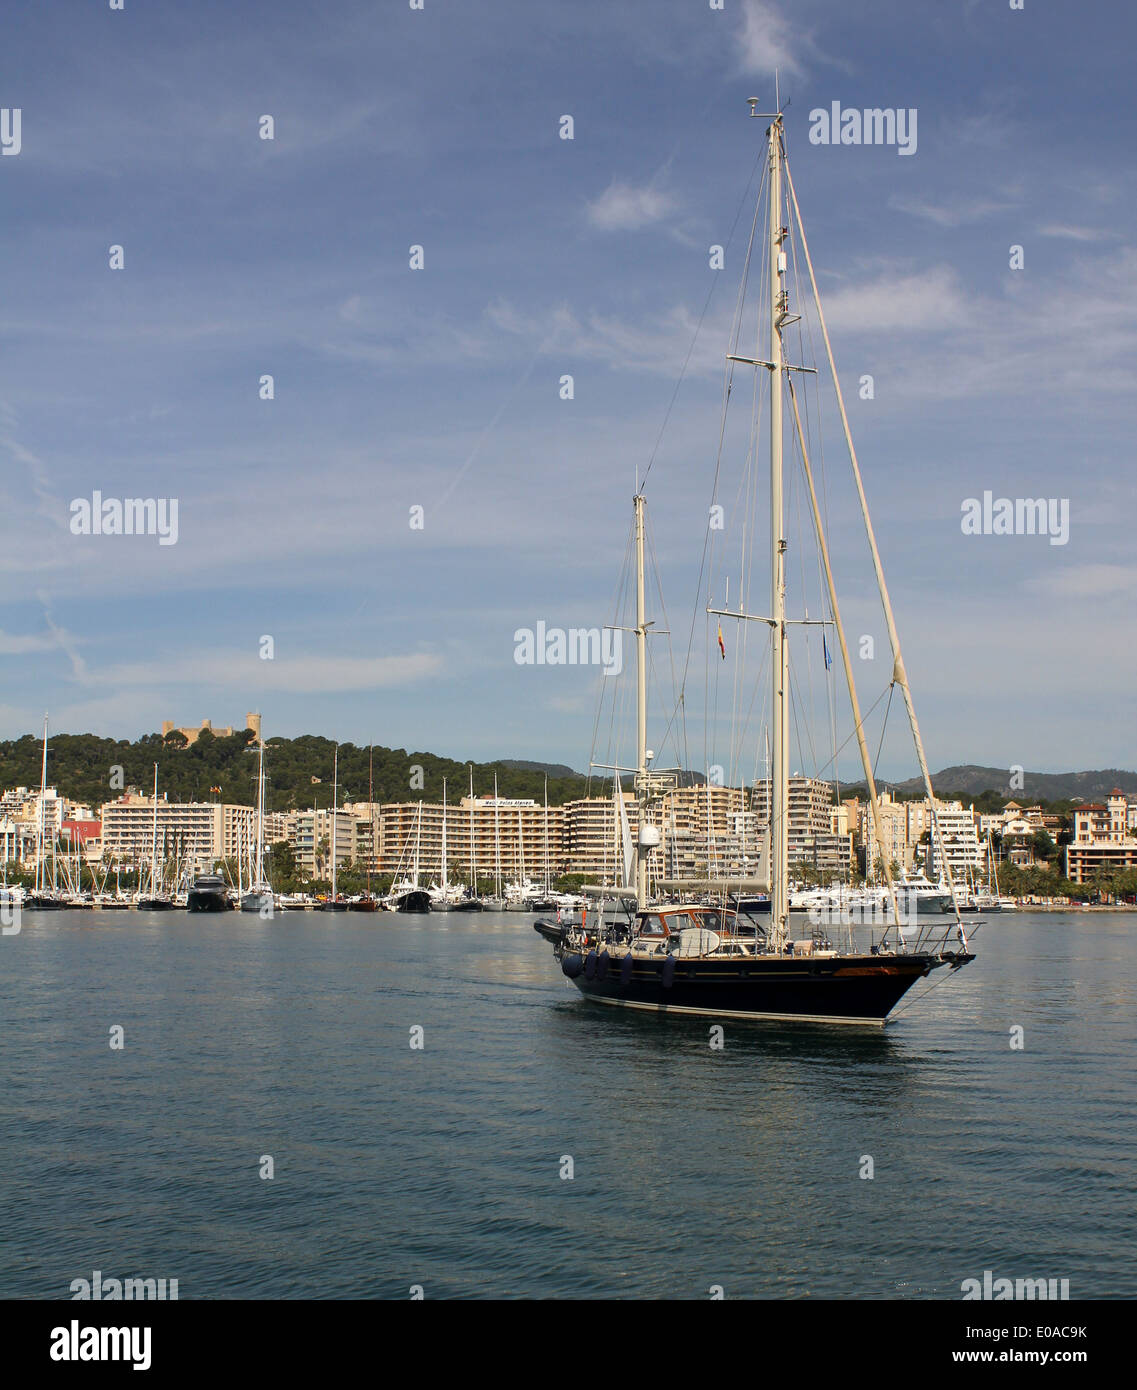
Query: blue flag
point(825, 649)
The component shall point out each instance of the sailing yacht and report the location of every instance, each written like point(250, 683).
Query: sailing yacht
point(156, 900)
point(496, 901)
point(366, 902)
point(406, 895)
point(42, 895)
point(545, 900)
point(521, 893)
point(469, 901)
point(259, 896)
point(689, 958)
point(444, 896)
point(334, 903)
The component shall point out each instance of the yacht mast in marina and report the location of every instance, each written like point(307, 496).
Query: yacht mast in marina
point(41, 828)
point(335, 815)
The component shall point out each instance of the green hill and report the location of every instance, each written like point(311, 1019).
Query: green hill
point(299, 770)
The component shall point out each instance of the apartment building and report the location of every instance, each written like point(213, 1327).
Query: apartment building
point(592, 837)
point(17, 842)
point(310, 835)
point(201, 831)
point(894, 823)
point(1102, 840)
point(962, 849)
point(516, 834)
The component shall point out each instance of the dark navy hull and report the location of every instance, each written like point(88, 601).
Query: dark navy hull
point(840, 989)
point(418, 900)
point(209, 894)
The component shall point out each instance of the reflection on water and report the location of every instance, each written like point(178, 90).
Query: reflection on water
point(441, 1165)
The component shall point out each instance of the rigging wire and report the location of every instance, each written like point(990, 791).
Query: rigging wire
point(642, 483)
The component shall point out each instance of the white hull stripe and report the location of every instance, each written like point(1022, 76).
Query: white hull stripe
point(735, 1013)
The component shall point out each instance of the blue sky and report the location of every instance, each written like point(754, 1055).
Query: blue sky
point(543, 257)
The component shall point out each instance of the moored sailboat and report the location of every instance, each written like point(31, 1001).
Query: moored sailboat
point(335, 902)
point(366, 902)
point(406, 895)
point(43, 896)
point(155, 900)
point(259, 897)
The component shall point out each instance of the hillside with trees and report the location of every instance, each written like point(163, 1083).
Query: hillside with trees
point(92, 770)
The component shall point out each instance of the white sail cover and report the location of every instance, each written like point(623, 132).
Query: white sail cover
point(625, 834)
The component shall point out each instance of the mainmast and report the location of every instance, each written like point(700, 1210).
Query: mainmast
point(371, 811)
point(154, 841)
point(41, 828)
point(443, 882)
point(641, 710)
point(259, 861)
point(779, 788)
point(335, 798)
point(496, 841)
point(473, 855)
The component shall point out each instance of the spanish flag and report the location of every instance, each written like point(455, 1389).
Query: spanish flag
point(722, 648)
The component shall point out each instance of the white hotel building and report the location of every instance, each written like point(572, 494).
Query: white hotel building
point(205, 830)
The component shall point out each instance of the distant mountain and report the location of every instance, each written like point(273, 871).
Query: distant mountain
point(970, 780)
point(551, 769)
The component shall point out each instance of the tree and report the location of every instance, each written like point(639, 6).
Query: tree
point(282, 867)
point(1042, 846)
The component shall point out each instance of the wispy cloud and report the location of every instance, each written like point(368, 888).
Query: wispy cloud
point(46, 498)
point(896, 302)
point(656, 343)
point(955, 214)
point(306, 673)
point(766, 41)
point(1087, 581)
point(64, 641)
point(1067, 233)
point(622, 207)
point(19, 644)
